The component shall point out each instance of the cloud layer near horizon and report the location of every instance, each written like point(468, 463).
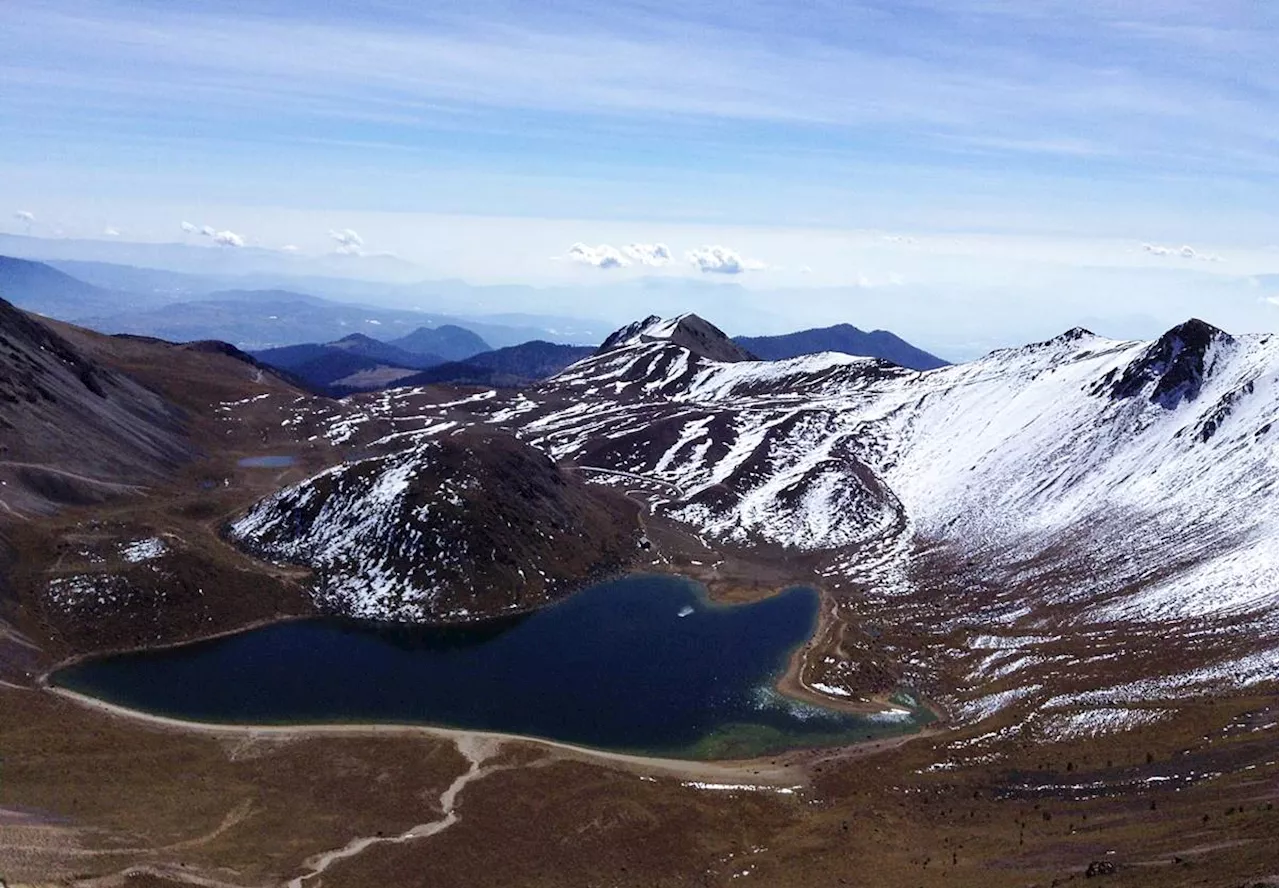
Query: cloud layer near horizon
point(607, 256)
point(722, 260)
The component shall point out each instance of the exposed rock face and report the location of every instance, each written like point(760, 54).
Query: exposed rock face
point(448, 529)
point(625, 335)
point(1176, 362)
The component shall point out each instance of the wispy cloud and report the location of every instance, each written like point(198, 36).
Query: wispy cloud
point(974, 115)
point(1183, 252)
point(965, 76)
point(722, 260)
point(111, 232)
point(188, 228)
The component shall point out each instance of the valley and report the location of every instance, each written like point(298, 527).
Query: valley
point(1068, 548)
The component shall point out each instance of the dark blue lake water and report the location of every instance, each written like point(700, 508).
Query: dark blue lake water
point(643, 664)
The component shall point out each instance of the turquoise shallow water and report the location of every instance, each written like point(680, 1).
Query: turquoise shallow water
point(643, 664)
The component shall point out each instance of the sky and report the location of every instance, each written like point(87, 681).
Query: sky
point(1037, 162)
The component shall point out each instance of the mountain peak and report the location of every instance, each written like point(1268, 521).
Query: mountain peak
point(449, 341)
point(687, 331)
point(1177, 362)
point(626, 334)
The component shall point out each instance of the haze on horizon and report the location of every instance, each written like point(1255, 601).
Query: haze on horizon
point(967, 174)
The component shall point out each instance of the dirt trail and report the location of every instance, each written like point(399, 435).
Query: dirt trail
point(477, 750)
point(87, 479)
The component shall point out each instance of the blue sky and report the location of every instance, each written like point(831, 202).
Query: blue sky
point(504, 133)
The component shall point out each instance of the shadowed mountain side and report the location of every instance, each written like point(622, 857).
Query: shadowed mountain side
point(353, 363)
point(85, 417)
point(842, 338)
point(511, 367)
point(71, 430)
point(448, 342)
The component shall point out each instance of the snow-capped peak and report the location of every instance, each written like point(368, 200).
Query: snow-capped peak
point(687, 331)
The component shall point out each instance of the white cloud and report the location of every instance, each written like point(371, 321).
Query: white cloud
point(349, 243)
point(655, 255)
point(188, 228)
point(111, 232)
point(289, 248)
point(722, 260)
point(601, 256)
point(221, 238)
point(1183, 252)
point(25, 216)
point(228, 239)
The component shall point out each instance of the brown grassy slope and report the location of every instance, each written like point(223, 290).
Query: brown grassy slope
point(248, 811)
point(74, 430)
point(138, 441)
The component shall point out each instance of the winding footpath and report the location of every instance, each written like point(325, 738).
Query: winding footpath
point(477, 750)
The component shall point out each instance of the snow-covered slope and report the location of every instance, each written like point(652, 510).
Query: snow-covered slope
point(1159, 454)
point(443, 529)
point(1157, 458)
point(1078, 503)
point(687, 331)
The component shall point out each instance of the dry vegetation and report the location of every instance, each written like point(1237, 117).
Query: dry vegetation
point(86, 795)
point(87, 798)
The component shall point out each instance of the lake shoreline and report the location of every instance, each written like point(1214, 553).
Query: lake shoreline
point(788, 683)
point(782, 771)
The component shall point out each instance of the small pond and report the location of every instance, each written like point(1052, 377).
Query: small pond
point(265, 462)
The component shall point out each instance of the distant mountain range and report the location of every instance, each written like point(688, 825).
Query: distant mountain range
point(37, 287)
point(841, 338)
point(358, 363)
point(511, 367)
point(361, 363)
point(340, 348)
point(184, 307)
